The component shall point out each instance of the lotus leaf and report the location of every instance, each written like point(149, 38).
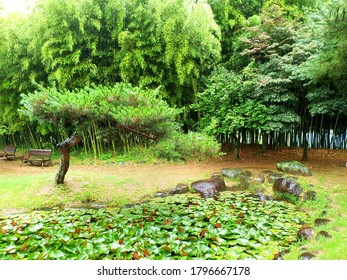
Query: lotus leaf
point(233, 226)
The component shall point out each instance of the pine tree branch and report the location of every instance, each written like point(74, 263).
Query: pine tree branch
point(152, 137)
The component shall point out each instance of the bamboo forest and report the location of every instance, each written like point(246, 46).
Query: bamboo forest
point(268, 72)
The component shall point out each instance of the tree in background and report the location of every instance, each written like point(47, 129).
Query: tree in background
point(126, 108)
point(284, 60)
point(265, 39)
point(73, 44)
point(228, 106)
point(230, 15)
point(272, 52)
point(172, 44)
point(325, 71)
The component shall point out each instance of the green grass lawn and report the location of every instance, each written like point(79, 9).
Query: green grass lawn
point(331, 204)
point(23, 191)
point(38, 191)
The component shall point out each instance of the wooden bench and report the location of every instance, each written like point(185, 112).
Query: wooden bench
point(9, 152)
point(38, 157)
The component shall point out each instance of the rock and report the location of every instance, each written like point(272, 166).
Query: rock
point(324, 213)
point(310, 195)
point(288, 186)
point(97, 206)
point(324, 234)
point(160, 194)
point(179, 189)
point(130, 205)
point(247, 179)
point(261, 197)
point(217, 175)
point(209, 187)
point(231, 173)
point(331, 201)
point(305, 232)
point(279, 256)
point(273, 176)
point(260, 179)
point(307, 256)
point(320, 222)
point(294, 167)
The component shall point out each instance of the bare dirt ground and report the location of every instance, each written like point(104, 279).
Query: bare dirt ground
point(327, 163)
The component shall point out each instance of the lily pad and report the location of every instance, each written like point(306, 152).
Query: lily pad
point(232, 226)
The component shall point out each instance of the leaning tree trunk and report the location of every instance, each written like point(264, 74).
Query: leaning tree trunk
point(64, 148)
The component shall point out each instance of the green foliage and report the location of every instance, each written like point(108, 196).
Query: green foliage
point(325, 70)
point(328, 32)
point(190, 146)
point(125, 106)
point(74, 44)
point(288, 197)
point(270, 43)
point(67, 52)
point(234, 226)
point(228, 104)
point(230, 15)
point(18, 66)
point(169, 43)
point(287, 58)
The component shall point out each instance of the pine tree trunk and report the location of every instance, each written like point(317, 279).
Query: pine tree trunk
point(64, 148)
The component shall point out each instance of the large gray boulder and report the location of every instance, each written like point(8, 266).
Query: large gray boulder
point(245, 178)
point(287, 186)
point(294, 167)
point(209, 187)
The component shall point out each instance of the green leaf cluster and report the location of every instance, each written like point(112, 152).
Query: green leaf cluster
point(123, 105)
point(228, 104)
point(189, 146)
point(234, 226)
point(74, 44)
point(286, 60)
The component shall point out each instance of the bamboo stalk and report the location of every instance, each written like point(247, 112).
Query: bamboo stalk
point(92, 143)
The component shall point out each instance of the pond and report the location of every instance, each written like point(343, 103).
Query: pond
point(232, 226)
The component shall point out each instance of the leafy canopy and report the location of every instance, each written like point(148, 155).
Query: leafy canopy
point(227, 104)
point(122, 105)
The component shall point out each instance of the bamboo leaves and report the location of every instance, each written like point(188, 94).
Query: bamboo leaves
point(169, 43)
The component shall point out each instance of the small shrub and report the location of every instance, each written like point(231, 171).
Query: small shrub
point(190, 146)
